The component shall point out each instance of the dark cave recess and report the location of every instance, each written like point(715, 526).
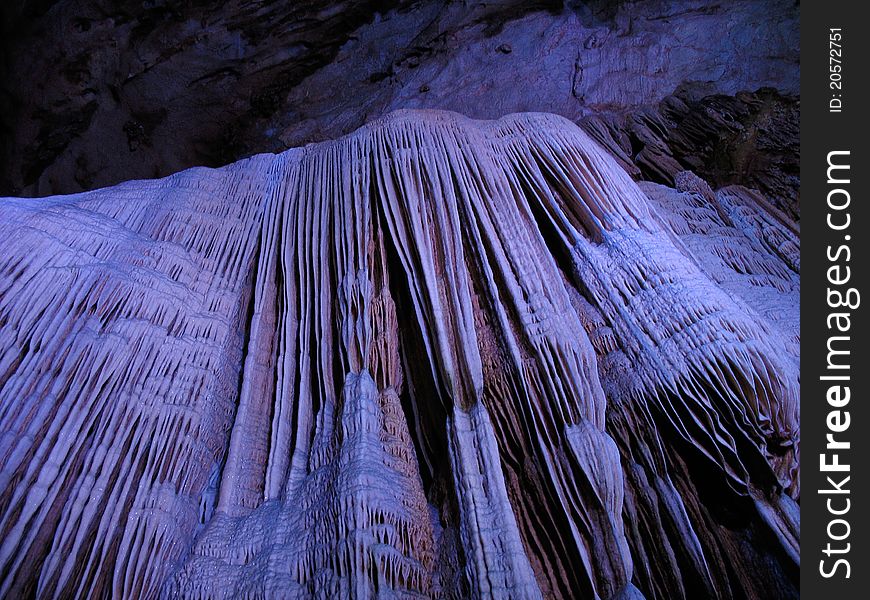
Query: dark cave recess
point(97, 92)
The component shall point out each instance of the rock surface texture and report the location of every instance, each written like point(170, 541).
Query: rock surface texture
point(435, 358)
point(95, 92)
point(751, 139)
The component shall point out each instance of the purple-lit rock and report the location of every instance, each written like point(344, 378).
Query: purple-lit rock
point(130, 89)
point(435, 358)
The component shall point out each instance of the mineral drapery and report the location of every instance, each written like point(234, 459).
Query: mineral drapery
point(437, 357)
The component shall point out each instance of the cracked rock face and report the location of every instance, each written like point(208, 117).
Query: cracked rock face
point(435, 358)
point(95, 92)
point(752, 139)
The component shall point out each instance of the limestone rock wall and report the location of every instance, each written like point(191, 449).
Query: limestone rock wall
point(435, 358)
point(95, 92)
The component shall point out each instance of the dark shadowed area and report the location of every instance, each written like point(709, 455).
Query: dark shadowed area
point(93, 92)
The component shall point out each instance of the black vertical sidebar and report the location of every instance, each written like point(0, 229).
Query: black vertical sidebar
point(835, 363)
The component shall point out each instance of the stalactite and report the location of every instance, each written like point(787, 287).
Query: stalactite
point(435, 358)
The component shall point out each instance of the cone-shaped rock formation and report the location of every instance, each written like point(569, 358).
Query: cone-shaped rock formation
point(435, 358)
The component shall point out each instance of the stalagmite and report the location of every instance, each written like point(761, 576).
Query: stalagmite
point(435, 358)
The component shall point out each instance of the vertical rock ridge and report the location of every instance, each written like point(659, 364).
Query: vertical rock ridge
point(435, 358)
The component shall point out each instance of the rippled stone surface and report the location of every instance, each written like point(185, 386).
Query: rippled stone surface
point(435, 358)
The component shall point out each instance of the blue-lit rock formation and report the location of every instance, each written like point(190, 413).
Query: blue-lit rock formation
point(435, 358)
point(131, 89)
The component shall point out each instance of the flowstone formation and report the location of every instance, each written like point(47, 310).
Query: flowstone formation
point(435, 358)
